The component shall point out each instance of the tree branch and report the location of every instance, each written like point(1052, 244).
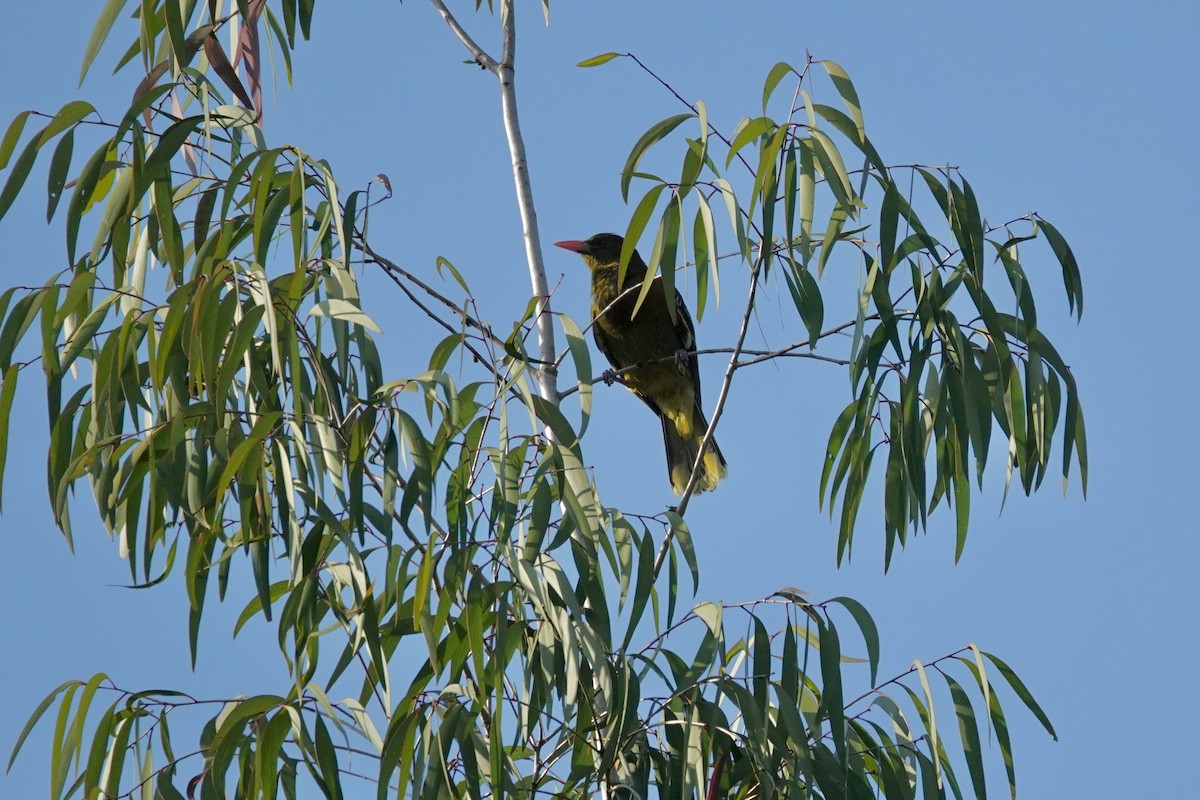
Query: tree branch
point(397, 270)
point(681, 509)
point(545, 369)
point(481, 57)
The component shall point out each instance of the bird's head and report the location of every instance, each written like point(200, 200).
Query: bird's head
point(603, 249)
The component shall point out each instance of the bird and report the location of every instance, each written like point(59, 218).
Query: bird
point(665, 372)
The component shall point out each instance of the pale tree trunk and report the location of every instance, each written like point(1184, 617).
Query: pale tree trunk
point(546, 371)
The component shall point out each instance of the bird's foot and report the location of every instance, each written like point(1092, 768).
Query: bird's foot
point(681, 360)
point(609, 377)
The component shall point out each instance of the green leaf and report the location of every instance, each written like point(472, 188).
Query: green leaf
point(845, 87)
point(887, 310)
point(790, 195)
point(962, 506)
point(810, 304)
point(266, 224)
point(1019, 282)
point(1022, 692)
point(327, 763)
point(81, 337)
point(776, 74)
point(747, 131)
point(656, 133)
point(1000, 724)
point(832, 703)
point(262, 430)
point(837, 438)
point(255, 605)
point(937, 188)
point(694, 159)
point(101, 753)
point(398, 745)
point(735, 218)
point(683, 537)
point(297, 226)
point(889, 220)
point(663, 256)
point(581, 356)
point(345, 311)
point(146, 770)
point(172, 139)
point(1070, 268)
point(12, 136)
point(168, 226)
point(443, 263)
point(834, 169)
point(67, 117)
point(8, 390)
point(102, 729)
point(643, 587)
point(866, 625)
point(236, 714)
point(108, 16)
point(267, 754)
point(930, 716)
point(1074, 438)
point(711, 614)
point(967, 225)
point(851, 131)
point(979, 670)
point(305, 13)
point(833, 232)
point(60, 165)
point(765, 190)
point(176, 35)
point(16, 178)
point(596, 61)
point(82, 197)
point(637, 225)
point(931, 781)
point(807, 194)
point(704, 243)
point(32, 722)
point(968, 730)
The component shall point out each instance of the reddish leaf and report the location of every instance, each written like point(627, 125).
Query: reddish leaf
point(248, 51)
point(226, 72)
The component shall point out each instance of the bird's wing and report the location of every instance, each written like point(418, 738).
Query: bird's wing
point(604, 344)
point(685, 330)
point(600, 336)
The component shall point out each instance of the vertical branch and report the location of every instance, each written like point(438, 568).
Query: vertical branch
point(547, 372)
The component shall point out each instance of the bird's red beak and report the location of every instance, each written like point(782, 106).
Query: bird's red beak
point(574, 245)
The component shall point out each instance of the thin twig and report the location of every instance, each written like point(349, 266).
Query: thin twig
point(468, 320)
point(681, 509)
point(722, 396)
point(692, 106)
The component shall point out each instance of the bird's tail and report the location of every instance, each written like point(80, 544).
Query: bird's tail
point(682, 437)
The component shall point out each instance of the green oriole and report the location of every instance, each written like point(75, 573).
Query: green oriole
point(666, 374)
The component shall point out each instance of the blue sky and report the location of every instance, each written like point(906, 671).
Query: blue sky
point(1079, 112)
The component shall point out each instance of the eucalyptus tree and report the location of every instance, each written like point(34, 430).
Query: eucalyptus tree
point(433, 545)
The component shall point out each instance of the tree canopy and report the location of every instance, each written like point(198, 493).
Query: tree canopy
point(435, 545)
